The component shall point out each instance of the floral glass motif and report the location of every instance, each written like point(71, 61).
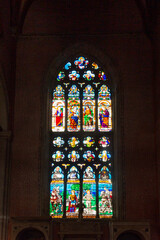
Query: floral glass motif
point(58, 156)
point(67, 65)
point(74, 76)
point(60, 76)
point(73, 110)
point(102, 76)
point(73, 193)
point(58, 110)
point(89, 156)
point(73, 156)
point(104, 109)
point(104, 142)
point(81, 62)
point(89, 193)
point(105, 193)
point(88, 75)
point(73, 142)
point(57, 193)
point(104, 156)
point(95, 65)
point(88, 141)
point(58, 142)
point(88, 109)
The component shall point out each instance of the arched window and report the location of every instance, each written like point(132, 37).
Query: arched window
point(81, 142)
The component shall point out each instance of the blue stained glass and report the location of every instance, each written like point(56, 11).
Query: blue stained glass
point(73, 193)
point(104, 156)
point(88, 93)
point(57, 193)
point(73, 93)
point(88, 75)
point(67, 66)
point(81, 62)
point(102, 76)
point(74, 76)
point(60, 76)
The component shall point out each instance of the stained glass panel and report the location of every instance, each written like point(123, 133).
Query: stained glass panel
point(88, 75)
point(81, 62)
point(73, 193)
point(88, 109)
point(95, 65)
point(60, 76)
point(104, 141)
point(105, 193)
point(74, 75)
point(58, 142)
point(104, 156)
point(86, 100)
point(73, 156)
point(89, 156)
point(58, 156)
point(73, 109)
point(88, 141)
point(102, 76)
point(58, 110)
point(67, 65)
point(89, 193)
point(104, 109)
point(57, 193)
point(73, 142)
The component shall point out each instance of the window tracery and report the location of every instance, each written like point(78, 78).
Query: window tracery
point(81, 152)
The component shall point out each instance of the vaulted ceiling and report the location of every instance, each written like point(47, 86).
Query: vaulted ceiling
point(147, 8)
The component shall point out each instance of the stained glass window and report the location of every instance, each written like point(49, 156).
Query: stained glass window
point(81, 141)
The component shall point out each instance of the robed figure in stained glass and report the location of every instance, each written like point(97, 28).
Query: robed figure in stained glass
point(104, 117)
point(73, 118)
point(88, 116)
point(72, 202)
point(59, 117)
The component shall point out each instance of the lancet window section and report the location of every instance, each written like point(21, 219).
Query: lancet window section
point(81, 146)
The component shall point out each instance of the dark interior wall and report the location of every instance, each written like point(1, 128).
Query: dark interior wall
point(116, 29)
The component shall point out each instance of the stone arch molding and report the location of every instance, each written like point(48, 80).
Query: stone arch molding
point(106, 61)
point(19, 227)
point(141, 229)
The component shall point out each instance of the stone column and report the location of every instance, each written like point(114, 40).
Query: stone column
point(4, 182)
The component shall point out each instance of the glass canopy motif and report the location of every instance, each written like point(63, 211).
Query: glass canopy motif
point(81, 142)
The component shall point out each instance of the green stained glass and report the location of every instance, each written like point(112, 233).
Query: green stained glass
point(105, 193)
point(88, 141)
point(73, 193)
point(57, 193)
point(88, 109)
point(89, 193)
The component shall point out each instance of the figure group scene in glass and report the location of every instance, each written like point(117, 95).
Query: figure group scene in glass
point(81, 156)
